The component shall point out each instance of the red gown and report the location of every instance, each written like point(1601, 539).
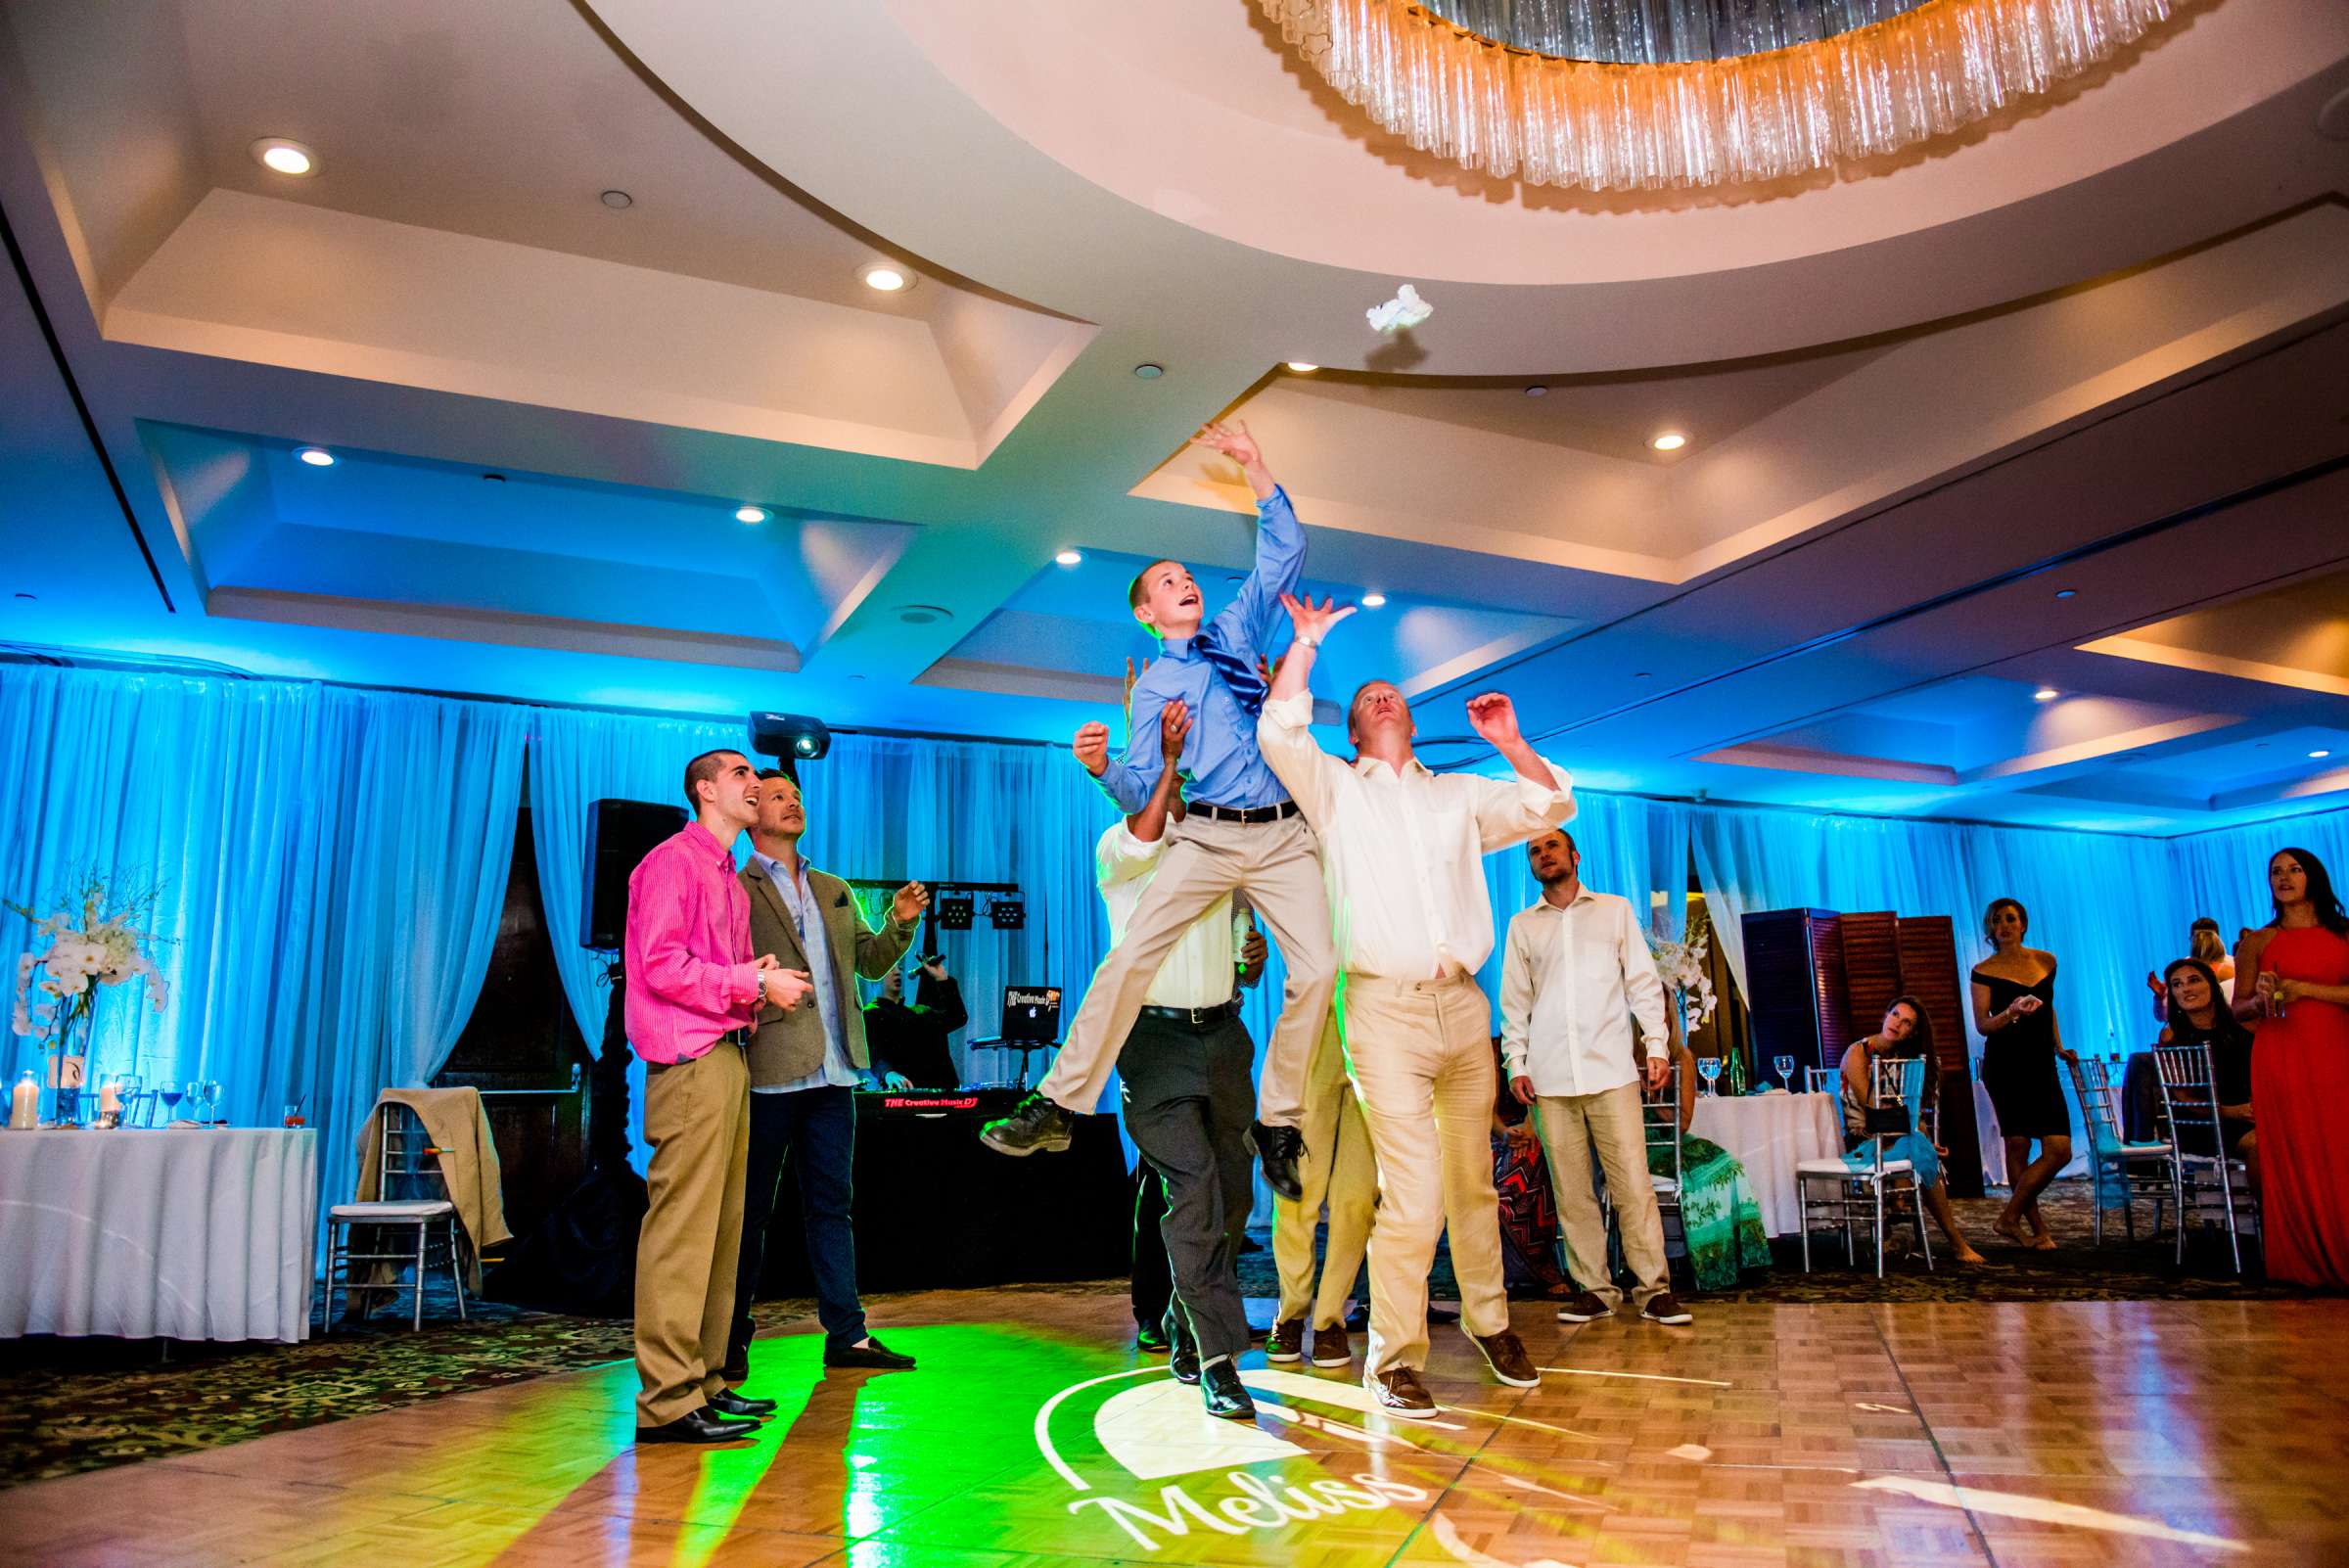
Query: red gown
point(2299, 1091)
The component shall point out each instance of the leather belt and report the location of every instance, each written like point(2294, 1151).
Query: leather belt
point(1250, 814)
point(1196, 1017)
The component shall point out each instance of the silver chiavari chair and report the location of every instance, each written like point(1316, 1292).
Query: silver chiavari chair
point(1839, 1192)
point(2136, 1170)
point(414, 1197)
point(2200, 1168)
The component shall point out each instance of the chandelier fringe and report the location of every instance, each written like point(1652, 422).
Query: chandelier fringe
point(1741, 120)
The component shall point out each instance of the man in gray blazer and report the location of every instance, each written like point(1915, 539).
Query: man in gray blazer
point(805, 1064)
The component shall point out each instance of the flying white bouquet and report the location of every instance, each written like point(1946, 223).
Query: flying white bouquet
point(1400, 313)
point(95, 939)
point(1680, 964)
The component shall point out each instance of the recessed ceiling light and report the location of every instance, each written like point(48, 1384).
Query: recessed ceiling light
point(1642, 675)
point(1149, 371)
point(317, 456)
point(283, 157)
point(2066, 593)
point(923, 614)
point(1069, 557)
point(617, 201)
point(495, 479)
point(23, 595)
point(750, 514)
point(1374, 601)
point(884, 277)
point(1536, 391)
point(2046, 694)
point(1302, 367)
point(2321, 752)
point(1671, 440)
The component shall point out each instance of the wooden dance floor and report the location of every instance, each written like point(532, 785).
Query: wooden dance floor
point(2082, 1433)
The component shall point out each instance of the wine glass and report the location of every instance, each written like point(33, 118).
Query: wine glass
point(134, 1100)
point(1786, 1068)
point(170, 1091)
point(1709, 1068)
point(212, 1100)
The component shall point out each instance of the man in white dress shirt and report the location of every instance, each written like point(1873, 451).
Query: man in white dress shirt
point(1403, 849)
point(1187, 1077)
point(1574, 976)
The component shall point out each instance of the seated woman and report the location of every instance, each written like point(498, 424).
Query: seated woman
point(1529, 1210)
point(2199, 1016)
point(1907, 1035)
point(1719, 1217)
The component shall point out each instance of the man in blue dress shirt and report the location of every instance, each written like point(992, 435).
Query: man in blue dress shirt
point(1240, 831)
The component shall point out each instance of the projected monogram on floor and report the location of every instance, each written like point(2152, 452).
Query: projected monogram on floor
point(1154, 1430)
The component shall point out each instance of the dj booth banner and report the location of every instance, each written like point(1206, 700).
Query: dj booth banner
point(330, 863)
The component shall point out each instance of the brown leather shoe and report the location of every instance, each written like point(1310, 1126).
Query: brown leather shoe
point(1583, 1307)
point(1400, 1393)
point(1506, 1353)
point(1287, 1342)
point(1665, 1307)
point(1331, 1347)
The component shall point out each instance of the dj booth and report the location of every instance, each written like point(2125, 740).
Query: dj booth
point(936, 1208)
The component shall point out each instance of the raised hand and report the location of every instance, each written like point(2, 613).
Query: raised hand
point(911, 899)
point(1493, 717)
point(1092, 742)
point(1174, 724)
point(1233, 441)
point(1313, 621)
point(786, 987)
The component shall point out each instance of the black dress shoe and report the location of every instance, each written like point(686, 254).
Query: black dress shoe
point(871, 1354)
point(736, 1370)
point(699, 1426)
point(1277, 1150)
point(725, 1402)
point(1151, 1339)
point(1035, 1123)
point(1226, 1398)
point(1182, 1358)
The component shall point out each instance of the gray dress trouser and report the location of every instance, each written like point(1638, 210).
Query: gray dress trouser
point(1189, 1101)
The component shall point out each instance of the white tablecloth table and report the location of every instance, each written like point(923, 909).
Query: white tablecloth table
point(182, 1233)
point(1770, 1133)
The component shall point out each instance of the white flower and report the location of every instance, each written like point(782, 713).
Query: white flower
point(1400, 313)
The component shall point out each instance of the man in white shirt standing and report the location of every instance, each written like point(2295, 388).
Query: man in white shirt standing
point(1575, 975)
point(1403, 849)
point(1187, 1072)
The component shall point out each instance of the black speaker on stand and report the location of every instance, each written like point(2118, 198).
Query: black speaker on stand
point(582, 1258)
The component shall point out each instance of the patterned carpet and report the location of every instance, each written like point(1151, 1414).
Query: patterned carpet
point(84, 1404)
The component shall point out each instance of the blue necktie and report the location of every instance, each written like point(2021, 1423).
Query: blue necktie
point(1240, 678)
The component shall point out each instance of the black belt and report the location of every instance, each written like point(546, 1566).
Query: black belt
point(1250, 814)
point(1196, 1017)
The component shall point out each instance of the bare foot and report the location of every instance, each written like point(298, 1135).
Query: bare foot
point(1967, 1255)
point(2043, 1242)
point(2008, 1226)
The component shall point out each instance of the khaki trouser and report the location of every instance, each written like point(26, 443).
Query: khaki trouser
point(697, 1117)
point(1278, 864)
point(1337, 1167)
point(1421, 1057)
point(1573, 1126)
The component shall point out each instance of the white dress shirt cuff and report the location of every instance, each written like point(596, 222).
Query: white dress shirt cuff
point(1294, 711)
point(1535, 796)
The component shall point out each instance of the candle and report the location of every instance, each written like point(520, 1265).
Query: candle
point(110, 1099)
point(24, 1103)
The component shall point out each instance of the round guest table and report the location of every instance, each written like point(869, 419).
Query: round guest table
point(1770, 1134)
point(178, 1233)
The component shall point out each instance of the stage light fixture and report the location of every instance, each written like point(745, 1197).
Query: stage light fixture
point(1008, 914)
point(792, 737)
point(952, 912)
point(317, 456)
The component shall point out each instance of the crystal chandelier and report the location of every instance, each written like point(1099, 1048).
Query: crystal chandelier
point(1650, 94)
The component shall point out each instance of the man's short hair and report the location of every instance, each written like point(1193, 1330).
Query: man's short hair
point(704, 768)
point(1133, 589)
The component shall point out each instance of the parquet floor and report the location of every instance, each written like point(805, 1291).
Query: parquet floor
point(2140, 1433)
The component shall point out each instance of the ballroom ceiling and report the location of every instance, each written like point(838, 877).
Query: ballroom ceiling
point(2016, 483)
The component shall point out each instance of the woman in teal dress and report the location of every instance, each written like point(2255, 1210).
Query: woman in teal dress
point(1907, 1037)
point(1719, 1217)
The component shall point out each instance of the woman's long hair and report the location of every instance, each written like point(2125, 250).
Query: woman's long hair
point(1920, 1041)
point(2321, 896)
point(2205, 940)
point(2224, 1024)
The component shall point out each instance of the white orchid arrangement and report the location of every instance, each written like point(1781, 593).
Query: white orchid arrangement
point(1682, 965)
point(95, 939)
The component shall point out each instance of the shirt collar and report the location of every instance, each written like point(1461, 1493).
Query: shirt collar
point(1417, 769)
point(1182, 650)
point(1584, 895)
point(705, 843)
point(774, 867)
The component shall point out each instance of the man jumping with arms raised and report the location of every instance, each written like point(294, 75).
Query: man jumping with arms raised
point(1241, 831)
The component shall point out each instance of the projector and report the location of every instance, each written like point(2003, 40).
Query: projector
point(792, 737)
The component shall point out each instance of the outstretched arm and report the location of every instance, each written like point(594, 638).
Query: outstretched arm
point(1279, 541)
point(1284, 730)
point(1511, 810)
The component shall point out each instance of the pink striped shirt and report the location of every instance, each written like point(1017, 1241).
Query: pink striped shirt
point(690, 973)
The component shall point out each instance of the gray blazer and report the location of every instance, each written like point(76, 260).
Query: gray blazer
point(790, 1045)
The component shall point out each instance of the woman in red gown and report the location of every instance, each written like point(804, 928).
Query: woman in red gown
point(2292, 975)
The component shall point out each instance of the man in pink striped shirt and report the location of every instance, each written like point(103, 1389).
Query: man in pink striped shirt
point(694, 986)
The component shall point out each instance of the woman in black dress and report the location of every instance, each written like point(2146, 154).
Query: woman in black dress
point(2015, 1012)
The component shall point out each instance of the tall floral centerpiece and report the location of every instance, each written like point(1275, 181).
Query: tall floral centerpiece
point(96, 937)
point(1681, 963)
